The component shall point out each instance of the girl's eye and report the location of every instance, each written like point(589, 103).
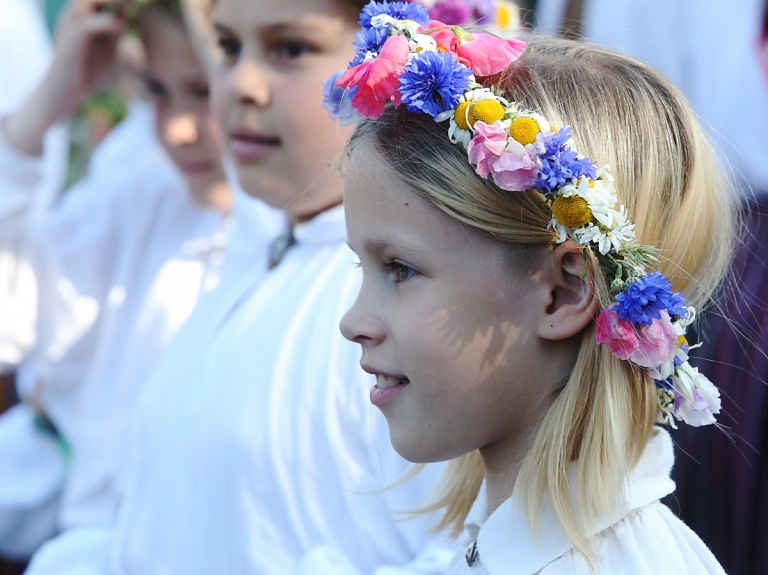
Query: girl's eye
point(156, 89)
point(400, 271)
point(290, 49)
point(199, 91)
point(230, 46)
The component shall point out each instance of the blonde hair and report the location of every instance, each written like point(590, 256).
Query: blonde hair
point(628, 115)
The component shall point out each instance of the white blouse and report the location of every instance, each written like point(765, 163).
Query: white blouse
point(640, 536)
point(25, 53)
point(255, 448)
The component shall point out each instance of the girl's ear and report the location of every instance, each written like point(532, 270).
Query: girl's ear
point(572, 301)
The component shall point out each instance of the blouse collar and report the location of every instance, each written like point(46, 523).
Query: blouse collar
point(505, 544)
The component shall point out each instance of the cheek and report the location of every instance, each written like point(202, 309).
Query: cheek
point(218, 100)
point(209, 131)
point(161, 126)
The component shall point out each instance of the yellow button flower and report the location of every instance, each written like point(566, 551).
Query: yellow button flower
point(571, 211)
point(462, 117)
point(524, 130)
point(487, 111)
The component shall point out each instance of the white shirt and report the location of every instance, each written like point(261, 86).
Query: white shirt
point(121, 264)
point(708, 48)
point(255, 447)
point(640, 536)
point(25, 53)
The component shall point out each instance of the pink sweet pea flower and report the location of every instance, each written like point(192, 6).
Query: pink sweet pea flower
point(516, 174)
point(509, 170)
point(657, 342)
point(378, 79)
point(616, 333)
point(697, 400)
point(486, 147)
point(482, 53)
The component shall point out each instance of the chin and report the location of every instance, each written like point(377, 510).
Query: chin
point(410, 448)
point(271, 191)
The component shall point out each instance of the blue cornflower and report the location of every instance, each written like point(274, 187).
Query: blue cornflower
point(397, 10)
point(432, 83)
point(370, 40)
point(338, 101)
point(560, 164)
point(642, 301)
point(667, 384)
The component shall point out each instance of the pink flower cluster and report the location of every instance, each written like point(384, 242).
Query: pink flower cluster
point(510, 171)
point(377, 79)
point(645, 345)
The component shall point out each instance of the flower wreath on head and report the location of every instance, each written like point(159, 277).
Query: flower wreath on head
point(404, 58)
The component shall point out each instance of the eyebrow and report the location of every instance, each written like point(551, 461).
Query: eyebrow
point(276, 28)
point(386, 245)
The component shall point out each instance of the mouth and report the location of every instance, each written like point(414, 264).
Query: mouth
point(247, 145)
point(196, 168)
point(388, 386)
point(386, 381)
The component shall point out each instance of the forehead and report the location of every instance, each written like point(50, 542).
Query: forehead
point(257, 14)
point(383, 208)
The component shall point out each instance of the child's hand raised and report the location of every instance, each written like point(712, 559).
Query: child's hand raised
point(86, 44)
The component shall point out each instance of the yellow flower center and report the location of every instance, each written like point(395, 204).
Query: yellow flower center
point(487, 111)
point(502, 16)
point(524, 130)
point(571, 211)
point(462, 118)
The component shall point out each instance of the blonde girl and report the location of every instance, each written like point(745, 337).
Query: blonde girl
point(516, 304)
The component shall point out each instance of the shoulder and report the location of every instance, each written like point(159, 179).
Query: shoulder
point(649, 540)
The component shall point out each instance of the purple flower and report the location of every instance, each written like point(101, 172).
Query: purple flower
point(644, 300)
point(432, 83)
point(338, 101)
point(452, 12)
point(560, 164)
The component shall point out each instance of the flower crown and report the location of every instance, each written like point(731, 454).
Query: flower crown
point(404, 58)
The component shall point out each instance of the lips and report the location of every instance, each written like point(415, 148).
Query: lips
point(384, 381)
point(196, 168)
point(388, 387)
point(247, 145)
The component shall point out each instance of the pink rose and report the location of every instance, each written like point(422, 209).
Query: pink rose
point(616, 333)
point(482, 53)
point(657, 342)
point(378, 79)
point(516, 174)
point(486, 147)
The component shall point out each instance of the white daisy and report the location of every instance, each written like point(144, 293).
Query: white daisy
point(619, 231)
point(456, 133)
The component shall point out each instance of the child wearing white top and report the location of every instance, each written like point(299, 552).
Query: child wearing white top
point(253, 448)
point(517, 304)
point(121, 263)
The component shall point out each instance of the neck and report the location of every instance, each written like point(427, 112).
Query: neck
point(502, 464)
point(217, 196)
point(301, 217)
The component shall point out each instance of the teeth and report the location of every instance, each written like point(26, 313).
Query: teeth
point(382, 381)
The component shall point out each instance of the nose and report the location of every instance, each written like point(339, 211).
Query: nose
point(361, 326)
point(182, 130)
point(250, 84)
